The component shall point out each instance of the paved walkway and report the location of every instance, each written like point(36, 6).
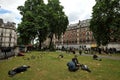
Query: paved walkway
point(104, 56)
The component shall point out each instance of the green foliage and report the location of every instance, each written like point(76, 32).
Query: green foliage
point(41, 20)
point(57, 19)
point(105, 21)
point(33, 22)
point(24, 31)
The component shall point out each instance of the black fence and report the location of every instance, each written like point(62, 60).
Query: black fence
point(6, 52)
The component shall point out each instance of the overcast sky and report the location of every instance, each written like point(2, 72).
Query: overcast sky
point(75, 10)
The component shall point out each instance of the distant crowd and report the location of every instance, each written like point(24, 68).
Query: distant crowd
point(91, 50)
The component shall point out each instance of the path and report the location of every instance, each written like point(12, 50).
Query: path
point(104, 56)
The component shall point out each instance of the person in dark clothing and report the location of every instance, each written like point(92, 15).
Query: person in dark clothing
point(71, 66)
point(74, 64)
point(95, 57)
point(75, 60)
point(80, 52)
point(18, 70)
point(99, 50)
point(60, 56)
point(73, 51)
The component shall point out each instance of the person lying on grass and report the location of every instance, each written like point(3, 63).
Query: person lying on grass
point(18, 70)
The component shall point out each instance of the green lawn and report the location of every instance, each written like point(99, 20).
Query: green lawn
point(46, 66)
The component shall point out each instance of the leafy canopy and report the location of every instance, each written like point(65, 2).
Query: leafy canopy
point(105, 21)
point(41, 20)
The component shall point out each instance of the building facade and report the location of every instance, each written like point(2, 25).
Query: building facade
point(8, 36)
point(77, 35)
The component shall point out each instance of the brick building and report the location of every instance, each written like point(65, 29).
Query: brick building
point(77, 35)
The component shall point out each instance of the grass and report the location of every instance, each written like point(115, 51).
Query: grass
point(46, 66)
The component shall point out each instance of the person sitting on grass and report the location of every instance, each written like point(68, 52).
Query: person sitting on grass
point(80, 52)
point(75, 60)
point(18, 70)
point(72, 67)
point(95, 57)
point(60, 56)
point(74, 64)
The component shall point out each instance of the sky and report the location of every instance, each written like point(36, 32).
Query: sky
point(75, 10)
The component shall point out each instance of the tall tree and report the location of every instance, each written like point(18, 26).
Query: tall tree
point(105, 21)
point(40, 20)
point(34, 22)
point(57, 19)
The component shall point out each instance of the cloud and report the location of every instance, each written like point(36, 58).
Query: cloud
point(9, 17)
point(9, 10)
point(74, 17)
point(3, 11)
point(78, 9)
point(75, 9)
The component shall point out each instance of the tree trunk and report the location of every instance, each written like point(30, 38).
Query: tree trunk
point(51, 37)
point(39, 45)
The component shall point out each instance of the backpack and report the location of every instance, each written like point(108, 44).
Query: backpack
point(71, 66)
point(85, 67)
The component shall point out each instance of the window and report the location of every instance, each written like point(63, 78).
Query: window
point(1, 34)
point(9, 45)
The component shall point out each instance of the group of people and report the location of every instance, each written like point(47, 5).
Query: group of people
point(74, 65)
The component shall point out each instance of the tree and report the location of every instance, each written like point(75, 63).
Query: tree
point(41, 23)
point(34, 22)
point(41, 20)
point(57, 19)
point(105, 21)
point(25, 29)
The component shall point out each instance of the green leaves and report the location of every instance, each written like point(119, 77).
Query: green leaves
point(58, 21)
point(41, 20)
point(104, 21)
point(32, 20)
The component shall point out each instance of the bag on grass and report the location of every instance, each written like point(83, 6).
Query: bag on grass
point(85, 67)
